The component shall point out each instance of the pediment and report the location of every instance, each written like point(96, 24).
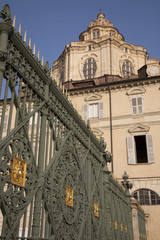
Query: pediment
point(136, 90)
point(93, 97)
point(138, 128)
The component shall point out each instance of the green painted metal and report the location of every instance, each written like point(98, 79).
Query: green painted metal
point(141, 221)
point(45, 131)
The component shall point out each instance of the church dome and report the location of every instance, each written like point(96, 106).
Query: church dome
point(99, 28)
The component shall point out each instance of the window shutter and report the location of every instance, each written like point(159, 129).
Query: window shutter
point(85, 111)
point(150, 153)
point(139, 102)
point(101, 110)
point(131, 150)
point(133, 106)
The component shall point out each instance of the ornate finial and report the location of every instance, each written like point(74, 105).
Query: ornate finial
point(102, 142)
point(107, 156)
point(19, 29)
point(25, 36)
point(6, 13)
point(127, 184)
point(14, 21)
point(42, 60)
point(34, 49)
point(38, 55)
point(88, 124)
point(46, 67)
point(30, 43)
point(100, 15)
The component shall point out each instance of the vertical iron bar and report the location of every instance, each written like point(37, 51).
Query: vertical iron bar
point(46, 149)
point(38, 196)
point(18, 99)
point(24, 224)
point(24, 101)
point(51, 143)
point(4, 108)
point(30, 218)
point(46, 227)
point(89, 190)
point(5, 30)
point(10, 112)
point(42, 222)
point(37, 138)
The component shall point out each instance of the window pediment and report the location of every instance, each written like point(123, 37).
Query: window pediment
point(93, 97)
point(136, 91)
point(139, 128)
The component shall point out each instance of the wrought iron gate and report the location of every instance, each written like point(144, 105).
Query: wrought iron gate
point(54, 179)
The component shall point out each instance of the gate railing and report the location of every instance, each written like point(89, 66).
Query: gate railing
point(54, 181)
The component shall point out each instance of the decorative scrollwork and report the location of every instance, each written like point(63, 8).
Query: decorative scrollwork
point(15, 197)
point(66, 174)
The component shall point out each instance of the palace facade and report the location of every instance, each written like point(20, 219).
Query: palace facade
point(115, 86)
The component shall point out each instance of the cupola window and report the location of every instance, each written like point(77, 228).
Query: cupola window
point(127, 68)
point(89, 68)
point(89, 47)
point(96, 34)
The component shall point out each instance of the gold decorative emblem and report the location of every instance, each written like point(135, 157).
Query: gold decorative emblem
point(121, 227)
point(116, 225)
point(96, 209)
point(18, 175)
point(126, 229)
point(69, 196)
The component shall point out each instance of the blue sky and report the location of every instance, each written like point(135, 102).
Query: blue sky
point(53, 24)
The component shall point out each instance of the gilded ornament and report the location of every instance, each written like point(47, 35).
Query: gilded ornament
point(96, 209)
point(18, 175)
point(116, 225)
point(121, 227)
point(69, 196)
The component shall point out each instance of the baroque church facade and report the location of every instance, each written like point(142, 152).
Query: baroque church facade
point(115, 86)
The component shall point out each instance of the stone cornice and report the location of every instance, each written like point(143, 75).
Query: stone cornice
point(115, 85)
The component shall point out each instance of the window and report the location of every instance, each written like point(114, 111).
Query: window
point(82, 38)
point(96, 34)
point(127, 69)
point(111, 33)
point(89, 68)
point(147, 197)
point(93, 110)
point(126, 50)
point(140, 149)
point(137, 105)
point(89, 47)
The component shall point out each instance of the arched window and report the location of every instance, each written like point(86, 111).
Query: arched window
point(127, 68)
point(147, 197)
point(89, 68)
